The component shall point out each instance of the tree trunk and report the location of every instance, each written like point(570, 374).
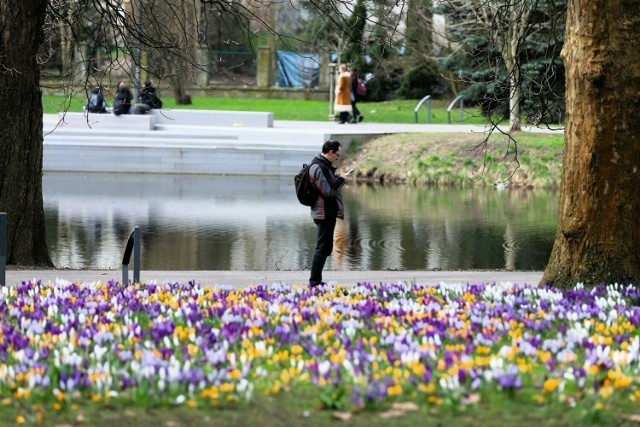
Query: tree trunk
point(65, 50)
point(598, 235)
point(515, 124)
point(21, 117)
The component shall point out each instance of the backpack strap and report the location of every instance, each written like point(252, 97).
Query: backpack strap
point(323, 167)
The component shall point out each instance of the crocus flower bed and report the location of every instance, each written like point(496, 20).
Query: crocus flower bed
point(359, 347)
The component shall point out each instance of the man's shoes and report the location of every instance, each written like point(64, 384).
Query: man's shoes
point(361, 118)
point(315, 285)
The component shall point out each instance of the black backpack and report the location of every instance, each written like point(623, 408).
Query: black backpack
point(305, 190)
point(95, 103)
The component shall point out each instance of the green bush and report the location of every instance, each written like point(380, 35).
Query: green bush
point(419, 81)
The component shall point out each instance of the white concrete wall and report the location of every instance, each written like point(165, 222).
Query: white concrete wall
point(181, 149)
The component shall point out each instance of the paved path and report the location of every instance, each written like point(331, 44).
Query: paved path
point(365, 128)
point(239, 279)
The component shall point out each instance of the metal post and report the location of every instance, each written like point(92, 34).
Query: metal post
point(3, 248)
point(458, 98)
point(125, 274)
point(133, 246)
point(136, 255)
point(332, 84)
point(426, 99)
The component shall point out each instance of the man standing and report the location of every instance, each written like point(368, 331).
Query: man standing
point(329, 205)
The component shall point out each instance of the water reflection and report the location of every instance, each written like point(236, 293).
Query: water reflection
point(246, 223)
point(450, 229)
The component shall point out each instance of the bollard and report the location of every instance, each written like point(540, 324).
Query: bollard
point(133, 245)
point(427, 100)
point(453, 103)
point(136, 255)
point(3, 248)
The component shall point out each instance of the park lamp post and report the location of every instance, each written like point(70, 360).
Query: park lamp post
point(332, 85)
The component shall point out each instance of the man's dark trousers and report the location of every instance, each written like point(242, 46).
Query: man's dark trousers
point(355, 111)
point(324, 248)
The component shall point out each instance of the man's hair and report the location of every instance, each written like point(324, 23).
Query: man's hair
point(331, 145)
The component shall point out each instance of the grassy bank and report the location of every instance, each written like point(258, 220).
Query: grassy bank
point(459, 160)
point(400, 111)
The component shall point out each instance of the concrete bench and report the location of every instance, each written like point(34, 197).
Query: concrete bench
point(213, 118)
point(107, 121)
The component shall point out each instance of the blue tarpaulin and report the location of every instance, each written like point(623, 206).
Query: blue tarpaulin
point(298, 69)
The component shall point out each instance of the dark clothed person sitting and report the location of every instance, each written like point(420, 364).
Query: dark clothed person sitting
point(122, 100)
point(96, 103)
point(149, 96)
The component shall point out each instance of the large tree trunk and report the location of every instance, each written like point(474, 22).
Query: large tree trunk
point(515, 123)
point(598, 235)
point(21, 34)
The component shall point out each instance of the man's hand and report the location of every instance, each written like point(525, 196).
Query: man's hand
point(347, 175)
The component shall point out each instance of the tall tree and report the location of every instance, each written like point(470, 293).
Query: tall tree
point(384, 43)
point(598, 233)
point(502, 47)
point(420, 72)
point(21, 34)
point(354, 35)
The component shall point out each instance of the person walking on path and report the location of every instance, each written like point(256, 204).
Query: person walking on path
point(357, 116)
point(343, 94)
point(328, 207)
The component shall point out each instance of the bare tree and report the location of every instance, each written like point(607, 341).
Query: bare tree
point(92, 39)
point(505, 25)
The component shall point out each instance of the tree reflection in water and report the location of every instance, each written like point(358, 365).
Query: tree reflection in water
point(196, 222)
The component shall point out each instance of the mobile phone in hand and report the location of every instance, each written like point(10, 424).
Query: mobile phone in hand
point(350, 171)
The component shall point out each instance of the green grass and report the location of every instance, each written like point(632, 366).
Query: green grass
point(400, 111)
point(300, 407)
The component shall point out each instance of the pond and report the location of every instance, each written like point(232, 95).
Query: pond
point(202, 222)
